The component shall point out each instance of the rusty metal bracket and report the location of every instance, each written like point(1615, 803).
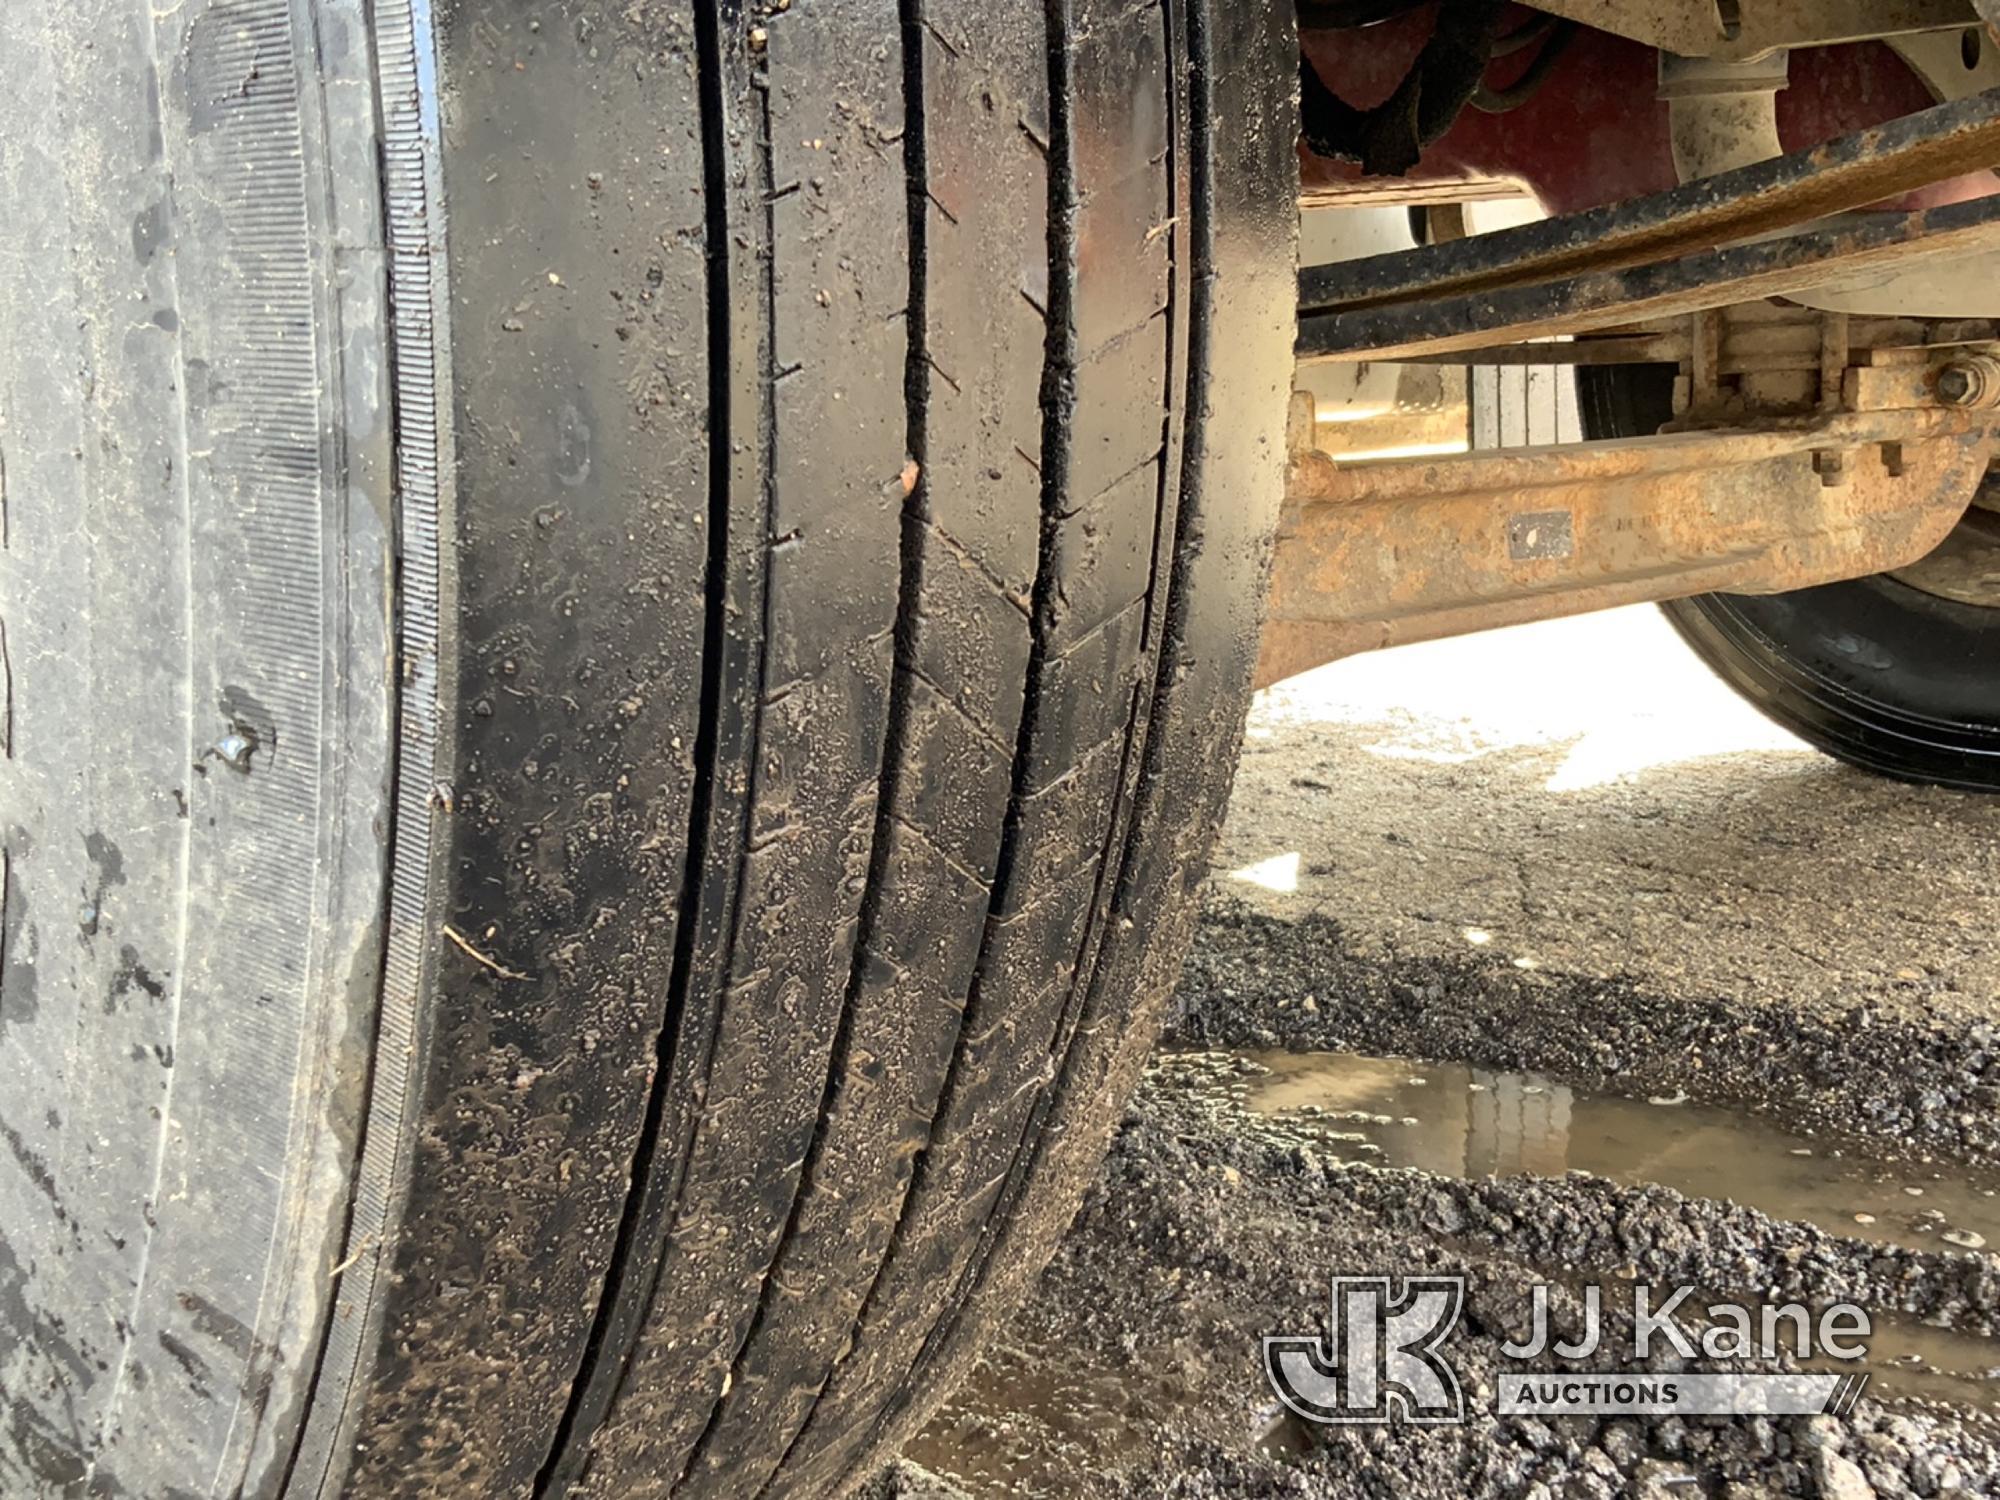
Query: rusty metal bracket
point(1844, 174)
point(1373, 555)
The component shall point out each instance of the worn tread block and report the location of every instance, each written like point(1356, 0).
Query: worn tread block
point(836, 125)
point(903, 1031)
point(1079, 582)
point(955, 781)
point(1128, 265)
point(1009, 1058)
point(1122, 416)
point(1117, 59)
point(818, 739)
point(973, 644)
point(980, 114)
point(1121, 133)
point(919, 881)
point(743, 1100)
point(833, 509)
point(1032, 959)
point(969, 648)
point(988, 190)
point(1048, 850)
point(773, 1034)
point(1087, 696)
point(1102, 558)
point(838, 447)
point(985, 432)
point(987, 1102)
point(1243, 302)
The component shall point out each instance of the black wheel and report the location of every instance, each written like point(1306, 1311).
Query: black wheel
point(1898, 674)
point(622, 634)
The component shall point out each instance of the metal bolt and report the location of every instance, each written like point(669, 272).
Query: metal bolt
point(1973, 381)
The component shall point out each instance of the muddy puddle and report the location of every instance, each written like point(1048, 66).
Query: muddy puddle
point(1057, 1419)
point(1470, 1122)
point(1041, 1421)
point(1909, 1360)
point(1459, 1121)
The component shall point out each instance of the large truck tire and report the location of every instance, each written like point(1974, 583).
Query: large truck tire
point(623, 627)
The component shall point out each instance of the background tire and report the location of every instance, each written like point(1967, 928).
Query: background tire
point(621, 655)
point(1875, 672)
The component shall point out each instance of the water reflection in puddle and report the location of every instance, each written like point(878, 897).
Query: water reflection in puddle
point(1910, 1359)
point(1031, 1421)
point(1471, 1122)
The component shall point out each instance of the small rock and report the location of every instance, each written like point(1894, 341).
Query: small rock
point(1621, 1443)
point(1656, 1479)
point(1840, 1478)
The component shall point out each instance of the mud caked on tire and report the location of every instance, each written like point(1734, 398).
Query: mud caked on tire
point(622, 630)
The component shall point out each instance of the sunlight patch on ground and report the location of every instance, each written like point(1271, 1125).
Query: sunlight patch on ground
point(1278, 873)
point(1620, 750)
point(1615, 694)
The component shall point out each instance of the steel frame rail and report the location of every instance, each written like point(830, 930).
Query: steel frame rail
point(1577, 252)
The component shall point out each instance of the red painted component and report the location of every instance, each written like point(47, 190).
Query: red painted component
point(1596, 132)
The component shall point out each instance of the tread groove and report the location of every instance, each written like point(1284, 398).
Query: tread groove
point(951, 1329)
point(614, 1329)
point(1058, 403)
point(915, 524)
point(1114, 862)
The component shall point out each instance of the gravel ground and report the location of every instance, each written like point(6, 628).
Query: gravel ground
point(1561, 849)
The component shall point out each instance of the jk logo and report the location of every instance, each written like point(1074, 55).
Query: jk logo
point(1379, 1361)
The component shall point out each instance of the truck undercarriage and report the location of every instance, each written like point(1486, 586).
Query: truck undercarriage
point(1811, 306)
